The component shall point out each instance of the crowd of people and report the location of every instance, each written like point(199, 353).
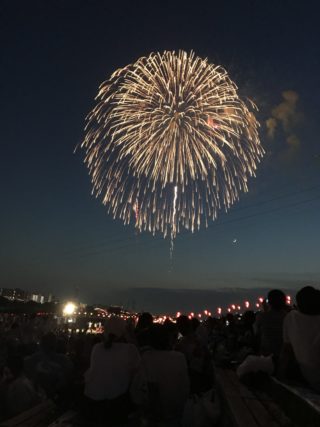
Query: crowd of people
point(146, 370)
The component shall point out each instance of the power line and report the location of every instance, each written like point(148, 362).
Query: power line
point(155, 241)
point(112, 240)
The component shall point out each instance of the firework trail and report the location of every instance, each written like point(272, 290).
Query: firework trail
point(170, 142)
point(173, 224)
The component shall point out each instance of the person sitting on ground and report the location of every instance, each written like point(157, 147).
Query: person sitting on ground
point(145, 321)
point(269, 325)
point(48, 369)
point(246, 337)
point(172, 331)
point(166, 375)
point(301, 336)
point(18, 393)
point(197, 355)
point(113, 366)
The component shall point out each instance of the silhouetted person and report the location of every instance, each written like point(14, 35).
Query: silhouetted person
point(172, 331)
point(197, 356)
point(246, 338)
point(48, 369)
point(145, 321)
point(269, 324)
point(195, 324)
point(113, 366)
point(301, 335)
point(166, 376)
point(231, 333)
point(18, 392)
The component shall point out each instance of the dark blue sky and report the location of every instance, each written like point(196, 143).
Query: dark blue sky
point(56, 236)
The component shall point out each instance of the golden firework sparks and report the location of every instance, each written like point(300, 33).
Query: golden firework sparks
point(170, 134)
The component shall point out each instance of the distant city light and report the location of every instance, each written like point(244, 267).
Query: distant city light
point(69, 309)
point(247, 304)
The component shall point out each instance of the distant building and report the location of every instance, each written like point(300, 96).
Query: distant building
point(15, 294)
point(34, 297)
point(37, 298)
point(51, 299)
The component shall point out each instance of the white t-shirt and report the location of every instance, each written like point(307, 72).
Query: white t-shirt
point(302, 331)
point(111, 370)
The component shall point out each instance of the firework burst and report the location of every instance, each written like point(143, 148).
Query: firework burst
point(170, 142)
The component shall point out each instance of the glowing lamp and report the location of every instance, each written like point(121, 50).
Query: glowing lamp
point(69, 309)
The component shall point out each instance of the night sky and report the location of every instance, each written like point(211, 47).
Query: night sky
point(56, 237)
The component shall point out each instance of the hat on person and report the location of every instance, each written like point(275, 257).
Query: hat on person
point(115, 326)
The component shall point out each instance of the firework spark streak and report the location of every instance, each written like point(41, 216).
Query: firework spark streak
point(170, 135)
point(173, 224)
